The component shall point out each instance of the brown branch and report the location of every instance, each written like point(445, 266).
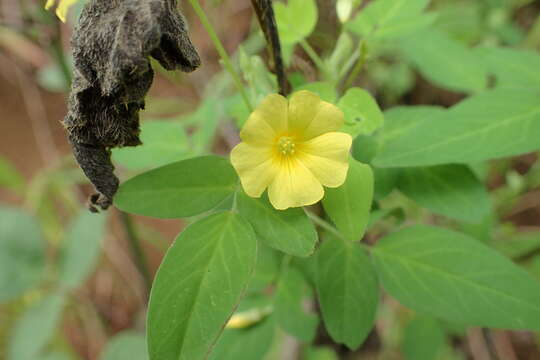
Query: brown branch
point(267, 20)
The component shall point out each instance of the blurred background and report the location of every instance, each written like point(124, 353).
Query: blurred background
point(47, 238)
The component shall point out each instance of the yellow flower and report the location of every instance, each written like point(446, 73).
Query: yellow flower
point(292, 148)
point(62, 8)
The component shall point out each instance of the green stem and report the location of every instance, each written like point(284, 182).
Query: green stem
point(358, 66)
point(136, 248)
point(313, 56)
point(330, 228)
point(221, 51)
point(324, 224)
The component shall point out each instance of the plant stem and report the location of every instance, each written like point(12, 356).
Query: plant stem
point(313, 56)
point(135, 245)
point(358, 66)
point(324, 224)
point(330, 228)
point(227, 63)
point(267, 20)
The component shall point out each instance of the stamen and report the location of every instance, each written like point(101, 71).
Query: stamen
point(286, 145)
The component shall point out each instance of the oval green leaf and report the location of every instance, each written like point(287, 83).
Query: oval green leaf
point(349, 205)
point(185, 188)
point(513, 68)
point(348, 291)
point(22, 252)
point(296, 20)
point(450, 190)
point(36, 328)
point(289, 230)
point(198, 285)
point(81, 248)
point(445, 61)
point(163, 142)
point(127, 345)
point(452, 276)
point(362, 113)
point(288, 306)
point(385, 17)
point(489, 125)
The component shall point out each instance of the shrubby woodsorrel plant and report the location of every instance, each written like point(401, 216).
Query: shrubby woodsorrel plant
point(327, 207)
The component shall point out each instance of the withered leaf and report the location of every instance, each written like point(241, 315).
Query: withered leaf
point(111, 46)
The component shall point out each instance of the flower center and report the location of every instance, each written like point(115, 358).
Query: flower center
point(286, 145)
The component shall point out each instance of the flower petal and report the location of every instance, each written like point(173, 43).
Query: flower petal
point(254, 166)
point(63, 8)
point(294, 186)
point(49, 4)
point(309, 116)
point(328, 118)
point(327, 157)
point(267, 121)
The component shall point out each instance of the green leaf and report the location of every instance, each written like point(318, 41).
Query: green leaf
point(289, 230)
point(462, 20)
point(325, 90)
point(163, 142)
point(207, 118)
point(10, 177)
point(127, 345)
point(181, 189)
point(490, 125)
point(349, 205)
point(82, 248)
point(250, 344)
point(267, 268)
point(452, 276)
point(406, 26)
point(348, 291)
point(362, 113)
point(400, 120)
point(22, 253)
point(35, 328)
point(364, 148)
point(237, 109)
point(341, 54)
point(296, 20)
point(384, 15)
point(288, 307)
point(445, 61)
point(385, 181)
point(257, 76)
point(198, 284)
point(450, 190)
point(423, 339)
point(513, 68)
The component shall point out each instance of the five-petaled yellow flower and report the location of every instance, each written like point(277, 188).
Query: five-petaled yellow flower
point(293, 149)
point(62, 8)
